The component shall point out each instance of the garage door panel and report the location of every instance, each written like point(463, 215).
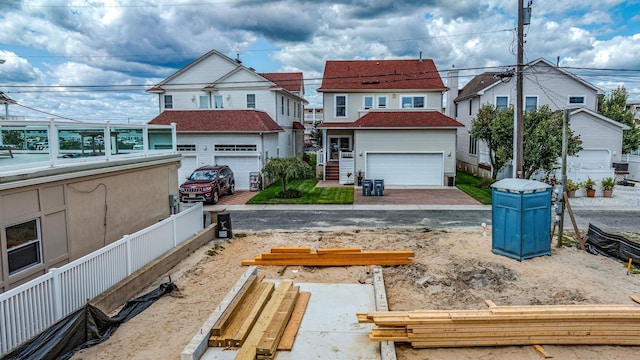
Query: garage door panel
point(406, 169)
point(241, 167)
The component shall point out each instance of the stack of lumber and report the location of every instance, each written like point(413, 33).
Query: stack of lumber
point(331, 257)
point(509, 325)
point(274, 323)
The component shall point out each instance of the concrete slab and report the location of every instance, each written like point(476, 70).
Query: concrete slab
point(329, 328)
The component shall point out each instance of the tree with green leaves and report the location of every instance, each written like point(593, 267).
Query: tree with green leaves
point(287, 169)
point(614, 107)
point(542, 144)
point(495, 128)
point(13, 137)
point(542, 138)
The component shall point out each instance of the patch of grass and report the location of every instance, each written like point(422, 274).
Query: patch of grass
point(476, 187)
point(310, 194)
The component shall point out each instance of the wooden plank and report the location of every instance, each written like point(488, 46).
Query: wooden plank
point(576, 340)
point(247, 312)
point(268, 344)
point(289, 250)
point(248, 349)
point(224, 319)
point(540, 349)
point(338, 251)
point(291, 331)
point(237, 336)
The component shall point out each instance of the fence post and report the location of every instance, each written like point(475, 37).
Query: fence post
point(57, 293)
point(174, 229)
point(127, 242)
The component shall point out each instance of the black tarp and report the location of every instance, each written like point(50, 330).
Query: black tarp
point(615, 246)
point(83, 328)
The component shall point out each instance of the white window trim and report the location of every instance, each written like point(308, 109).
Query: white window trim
point(335, 106)
point(584, 100)
point(386, 102)
point(524, 104)
point(411, 96)
point(164, 101)
point(364, 104)
point(213, 106)
point(495, 100)
point(200, 97)
point(254, 100)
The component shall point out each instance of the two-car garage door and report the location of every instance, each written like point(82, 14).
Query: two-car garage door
point(410, 169)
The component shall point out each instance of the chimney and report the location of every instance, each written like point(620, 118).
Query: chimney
point(420, 59)
point(452, 84)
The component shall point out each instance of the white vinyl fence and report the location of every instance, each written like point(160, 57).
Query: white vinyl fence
point(634, 166)
point(32, 307)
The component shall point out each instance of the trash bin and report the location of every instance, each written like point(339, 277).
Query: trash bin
point(223, 229)
point(255, 181)
point(367, 185)
point(521, 218)
point(378, 187)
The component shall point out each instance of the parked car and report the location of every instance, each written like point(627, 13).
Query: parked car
point(207, 183)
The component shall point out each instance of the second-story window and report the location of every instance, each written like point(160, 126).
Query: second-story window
point(282, 105)
point(502, 102)
point(382, 102)
point(288, 107)
point(204, 102)
point(168, 102)
point(576, 100)
point(470, 107)
point(412, 102)
point(251, 101)
point(367, 102)
point(341, 106)
point(530, 103)
point(217, 101)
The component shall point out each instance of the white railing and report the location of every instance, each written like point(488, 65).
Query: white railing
point(32, 307)
point(347, 165)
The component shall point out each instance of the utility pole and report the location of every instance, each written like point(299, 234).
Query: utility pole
point(519, 121)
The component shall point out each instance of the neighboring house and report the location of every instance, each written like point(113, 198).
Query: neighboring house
point(543, 84)
point(634, 106)
point(313, 116)
point(62, 202)
point(383, 120)
point(228, 114)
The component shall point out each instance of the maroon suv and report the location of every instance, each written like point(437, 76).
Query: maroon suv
point(207, 183)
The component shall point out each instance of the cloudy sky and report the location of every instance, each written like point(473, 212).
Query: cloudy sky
point(91, 60)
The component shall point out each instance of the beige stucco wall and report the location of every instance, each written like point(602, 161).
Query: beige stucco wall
point(81, 214)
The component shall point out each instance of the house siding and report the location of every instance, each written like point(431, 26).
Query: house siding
point(442, 141)
point(82, 214)
point(598, 134)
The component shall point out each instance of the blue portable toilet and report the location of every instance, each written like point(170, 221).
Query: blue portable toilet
point(367, 186)
point(521, 218)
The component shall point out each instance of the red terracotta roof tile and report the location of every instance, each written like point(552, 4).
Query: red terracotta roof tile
point(218, 121)
point(381, 74)
point(297, 126)
point(398, 119)
point(289, 81)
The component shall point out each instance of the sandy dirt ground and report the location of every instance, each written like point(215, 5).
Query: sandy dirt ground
point(453, 269)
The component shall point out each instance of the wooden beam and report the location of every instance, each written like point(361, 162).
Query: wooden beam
point(268, 344)
point(291, 331)
point(228, 313)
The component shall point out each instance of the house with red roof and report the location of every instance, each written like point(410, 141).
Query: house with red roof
point(228, 114)
point(383, 120)
point(544, 83)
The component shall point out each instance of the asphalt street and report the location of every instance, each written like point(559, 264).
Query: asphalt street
point(295, 220)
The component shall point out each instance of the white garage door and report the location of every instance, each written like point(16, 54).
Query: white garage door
point(187, 165)
point(406, 168)
point(241, 166)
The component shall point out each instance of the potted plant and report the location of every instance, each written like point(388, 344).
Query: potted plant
point(571, 188)
point(607, 185)
point(589, 184)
